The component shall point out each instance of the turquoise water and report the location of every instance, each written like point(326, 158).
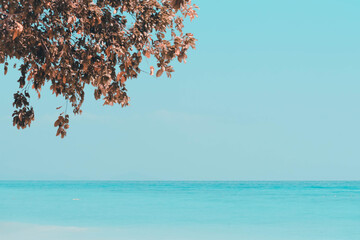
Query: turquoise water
point(179, 210)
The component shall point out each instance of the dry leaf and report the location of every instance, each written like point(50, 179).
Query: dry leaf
point(159, 72)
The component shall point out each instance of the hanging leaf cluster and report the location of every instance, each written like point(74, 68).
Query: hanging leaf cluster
point(74, 43)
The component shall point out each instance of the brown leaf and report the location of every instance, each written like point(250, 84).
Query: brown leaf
point(18, 30)
point(58, 131)
point(159, 72)
point(57, 123)
point(151, 70)
point(118, 77)
point(147, 54)
point(107, 51)
point(19, 27)
point(15, 34)
point(176, 4)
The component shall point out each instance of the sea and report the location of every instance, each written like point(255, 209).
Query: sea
point(179, 210)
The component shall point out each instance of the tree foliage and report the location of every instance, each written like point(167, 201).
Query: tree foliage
point(74, 43)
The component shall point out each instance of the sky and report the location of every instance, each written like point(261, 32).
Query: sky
point(272, 92)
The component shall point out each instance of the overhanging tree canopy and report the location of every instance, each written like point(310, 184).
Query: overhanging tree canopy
point(72, 43)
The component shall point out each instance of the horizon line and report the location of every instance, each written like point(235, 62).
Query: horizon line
point(152, 180)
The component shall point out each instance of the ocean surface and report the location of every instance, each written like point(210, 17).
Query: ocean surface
point(105, 210)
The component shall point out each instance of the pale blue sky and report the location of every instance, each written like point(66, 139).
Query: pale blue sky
point(271, 93)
